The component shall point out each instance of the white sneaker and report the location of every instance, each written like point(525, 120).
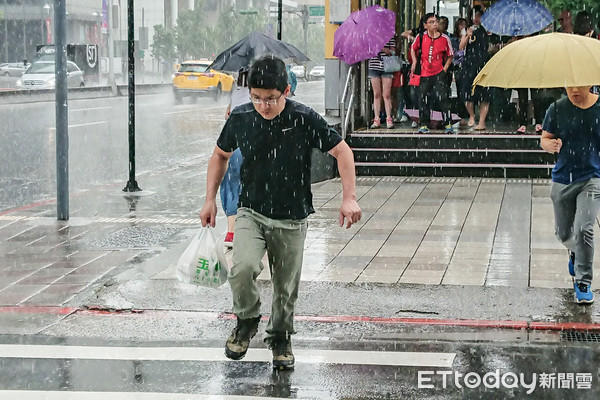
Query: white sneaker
point(404, 118)
point(414, 124)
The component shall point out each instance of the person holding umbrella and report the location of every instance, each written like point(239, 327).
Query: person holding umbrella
point(276, 137)
point(572, 129)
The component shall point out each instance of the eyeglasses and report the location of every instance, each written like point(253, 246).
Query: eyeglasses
point(269, 102)
point(561, 19)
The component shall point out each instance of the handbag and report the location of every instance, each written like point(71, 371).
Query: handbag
point(391, 63)
point(203, 262)
point(415, 80)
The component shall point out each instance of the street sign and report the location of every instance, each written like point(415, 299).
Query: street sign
point(316, 11)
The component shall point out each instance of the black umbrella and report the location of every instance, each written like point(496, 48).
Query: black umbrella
point(253, 46)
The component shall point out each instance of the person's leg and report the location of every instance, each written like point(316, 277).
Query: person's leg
point(471, 110)
point(465, 94)
point(484, 108)
point(523, 97)
point(250, 247)
point(542, 99)
point(415, 95)
point(386, 84)
point(461, 100)
point(376, 85)
point(441, 93)
point(588, 204)
point(564, 202)
point(425, 88)
point(285, 244)
point(231, 223)
point(400, 115)
point(538, 107)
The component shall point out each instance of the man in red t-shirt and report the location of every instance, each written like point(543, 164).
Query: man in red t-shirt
point(436, 55)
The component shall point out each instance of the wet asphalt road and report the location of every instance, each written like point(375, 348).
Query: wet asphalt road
point(480, 369)
point(167, 135)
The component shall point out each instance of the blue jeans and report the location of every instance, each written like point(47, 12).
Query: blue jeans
point(231, 186)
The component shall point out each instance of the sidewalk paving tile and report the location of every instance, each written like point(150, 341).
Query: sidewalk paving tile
point(448, 231)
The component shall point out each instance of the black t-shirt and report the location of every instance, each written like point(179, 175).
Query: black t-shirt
point(275, 172)
point(476, 53)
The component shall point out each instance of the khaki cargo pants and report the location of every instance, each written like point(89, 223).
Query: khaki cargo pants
point(283, 240)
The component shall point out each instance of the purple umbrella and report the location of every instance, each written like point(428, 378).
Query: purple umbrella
point(363, 34)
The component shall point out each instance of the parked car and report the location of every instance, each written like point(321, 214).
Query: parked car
point(194, 78)
point(299, 71)
point(40, 75)
point(317, 72)
point(12, 69)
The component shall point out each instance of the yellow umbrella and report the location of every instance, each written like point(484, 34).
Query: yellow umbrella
point(552, 60)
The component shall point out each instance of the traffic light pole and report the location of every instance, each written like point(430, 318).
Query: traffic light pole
point(279, 18)
point(132, 185)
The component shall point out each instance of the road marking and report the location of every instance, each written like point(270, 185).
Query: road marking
point(196, 110)
point(65, 395)
point(81, 125)
point(174, 220)
point(308, 356)
point(90, 109)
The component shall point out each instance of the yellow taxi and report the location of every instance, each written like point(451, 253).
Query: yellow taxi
point(194, 78)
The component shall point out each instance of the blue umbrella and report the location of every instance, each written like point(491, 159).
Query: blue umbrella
point(516, 17)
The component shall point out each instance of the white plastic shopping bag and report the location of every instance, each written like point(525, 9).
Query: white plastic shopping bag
point(203, 261)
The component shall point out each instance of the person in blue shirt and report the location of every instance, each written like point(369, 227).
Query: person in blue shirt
point(292, 79)
point(571, 130)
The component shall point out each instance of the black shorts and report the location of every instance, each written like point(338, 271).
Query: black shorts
point(465, 90)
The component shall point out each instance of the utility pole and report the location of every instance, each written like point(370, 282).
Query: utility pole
point(304, 17)
point(111, 50)
point(62, 110)
point(279, 17)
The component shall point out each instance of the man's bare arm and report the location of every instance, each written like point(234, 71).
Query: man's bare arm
point(349, 210)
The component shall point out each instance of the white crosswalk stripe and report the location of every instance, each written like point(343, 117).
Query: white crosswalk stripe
point(64, 395)
point(308, 356)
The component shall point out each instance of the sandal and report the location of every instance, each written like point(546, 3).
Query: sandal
point(522, 129)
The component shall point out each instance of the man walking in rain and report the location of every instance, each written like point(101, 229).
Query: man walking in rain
point(276, 137)
point(572, 129)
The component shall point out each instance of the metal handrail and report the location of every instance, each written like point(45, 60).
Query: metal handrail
point(346, 114)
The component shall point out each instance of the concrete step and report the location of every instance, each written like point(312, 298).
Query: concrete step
point(497, 153)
